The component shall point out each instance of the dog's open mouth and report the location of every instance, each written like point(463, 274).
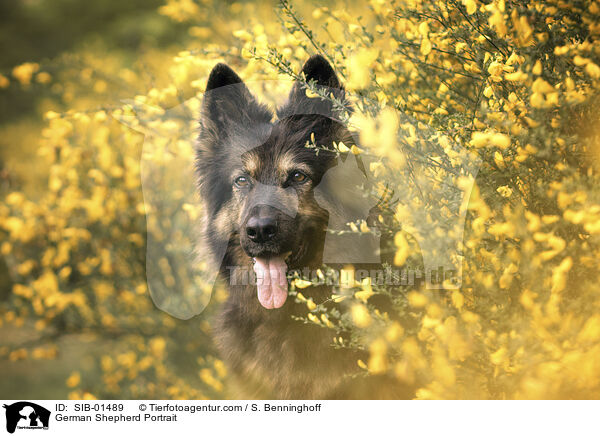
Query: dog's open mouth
point(271, 280)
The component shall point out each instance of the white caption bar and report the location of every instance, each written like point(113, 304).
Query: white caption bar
point(22, 417)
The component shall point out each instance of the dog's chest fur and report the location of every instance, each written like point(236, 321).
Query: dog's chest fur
point(273, 356)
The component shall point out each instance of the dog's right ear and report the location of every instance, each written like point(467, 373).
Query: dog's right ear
point(316, 69)
point(228, 101)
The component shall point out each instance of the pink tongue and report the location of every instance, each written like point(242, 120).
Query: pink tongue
point(271, 281)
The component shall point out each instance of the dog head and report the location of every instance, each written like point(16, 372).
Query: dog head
point(258, 175)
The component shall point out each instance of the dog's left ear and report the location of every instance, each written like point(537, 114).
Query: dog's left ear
point(228, 101)
point(319, 70)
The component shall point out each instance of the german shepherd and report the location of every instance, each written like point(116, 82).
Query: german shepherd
point(257, 180)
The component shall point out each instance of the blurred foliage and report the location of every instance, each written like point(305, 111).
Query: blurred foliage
point(513, 82)
point(40, 31)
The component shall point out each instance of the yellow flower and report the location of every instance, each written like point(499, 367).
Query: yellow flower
point(378, 362)
point(443, 371)
point(593, 70)
point(471, 6)
point(366, 292)
point(342, 148)
point(301, 284)
point(24, 72)
point(591, 330)
point(43, 78)
point(311, 94)
point(403, 249)
point(499, 357)
point(426, 46)
point(457, 299)
point(359, 66)
point(73, 380)
point(180, 10)
point(499, 159)
point(497, 21)
point(157, 347)
point(360, 316)
point(559, 275)
point(355, 150)
point(4, 82)
point(417, 299)
point(517, 76)
point(479, 139)
point(523, 28)
point(500, 140)
point(527, 299)
point(326, 321)
point(541, 86)
point(312, 317)
point(394, 332)
point(504, 191)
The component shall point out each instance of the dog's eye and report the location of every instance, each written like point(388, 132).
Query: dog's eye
point(241, 182)
point(299, 177)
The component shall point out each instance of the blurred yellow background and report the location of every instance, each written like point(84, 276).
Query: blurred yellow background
point(515, 84)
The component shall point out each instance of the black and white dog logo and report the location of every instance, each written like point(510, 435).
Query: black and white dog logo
point(26, 415)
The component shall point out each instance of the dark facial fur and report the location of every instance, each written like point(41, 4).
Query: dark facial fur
point(239, 143)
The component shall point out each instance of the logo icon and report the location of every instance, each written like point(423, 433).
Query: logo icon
point(26, 415)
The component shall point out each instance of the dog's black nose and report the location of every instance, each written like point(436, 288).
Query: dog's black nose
point(261, 229)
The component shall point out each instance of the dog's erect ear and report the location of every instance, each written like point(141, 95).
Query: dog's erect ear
point(318, 69)
point(228, 101)
point(315, 69)
point(221, 75)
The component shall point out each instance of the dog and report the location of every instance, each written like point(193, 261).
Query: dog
point(261, 182)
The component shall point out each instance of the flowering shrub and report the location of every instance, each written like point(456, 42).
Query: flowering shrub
point(512, 84)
